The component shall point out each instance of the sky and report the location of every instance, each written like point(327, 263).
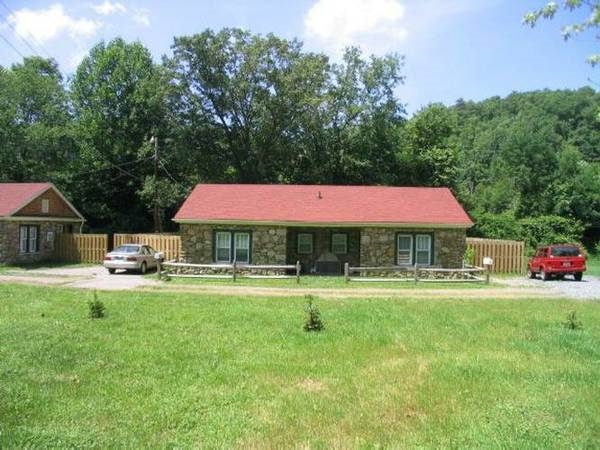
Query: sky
point(454, 49)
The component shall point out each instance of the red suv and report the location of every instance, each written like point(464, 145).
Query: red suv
point(557, 259)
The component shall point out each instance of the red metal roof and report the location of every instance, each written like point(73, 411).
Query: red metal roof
point(13, 196)
point(318, 204)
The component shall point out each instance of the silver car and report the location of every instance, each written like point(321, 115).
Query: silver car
point(131, 257)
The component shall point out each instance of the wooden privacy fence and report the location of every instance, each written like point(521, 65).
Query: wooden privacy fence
point(170, 244)
point(86, 248)
point(508, 256)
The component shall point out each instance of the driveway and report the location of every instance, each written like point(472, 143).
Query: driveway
point(586, 289)
point(91, 277)
point(97, 277)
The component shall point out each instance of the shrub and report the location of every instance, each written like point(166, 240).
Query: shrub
point(313, 319)
point(534, 231)
point(96, 308)
point(572, 323)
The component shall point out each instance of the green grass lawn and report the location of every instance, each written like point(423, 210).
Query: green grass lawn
point(186, 370)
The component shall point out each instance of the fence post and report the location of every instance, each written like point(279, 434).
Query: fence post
point(416, 273)
point(233, 266)
point(347, 271)
point(298, 267)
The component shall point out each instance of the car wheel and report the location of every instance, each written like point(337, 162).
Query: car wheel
point(544, 275)
point(143, 268)
point(112, 271)
point(530, 273)
point(578, 276)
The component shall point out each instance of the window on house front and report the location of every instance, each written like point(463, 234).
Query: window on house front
point(223, 247)
point(45, 205)
point(423, 249)
point(339, 243)
point(305, 243)
point(232, 246)
point(28, 238)
point(242, 247)
point(404, 251)
point(414, 249)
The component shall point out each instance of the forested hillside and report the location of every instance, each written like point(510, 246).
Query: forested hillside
point(230, 106)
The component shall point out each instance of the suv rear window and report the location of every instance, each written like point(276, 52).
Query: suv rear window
point(565, 251)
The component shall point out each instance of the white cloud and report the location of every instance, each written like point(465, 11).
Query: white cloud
point(46, 24)
point(141, 16)
point(376, 25)
point(107, 8)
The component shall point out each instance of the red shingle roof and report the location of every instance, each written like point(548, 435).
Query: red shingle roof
point(316, 204)
point(13, 196)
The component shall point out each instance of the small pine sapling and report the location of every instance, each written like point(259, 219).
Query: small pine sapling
point(313, 319)
point(96, 308)
point(572, 323)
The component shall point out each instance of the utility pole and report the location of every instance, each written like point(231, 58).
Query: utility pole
point(157, 227)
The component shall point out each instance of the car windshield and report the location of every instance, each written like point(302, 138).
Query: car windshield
point(127, 249)
point(565, 251)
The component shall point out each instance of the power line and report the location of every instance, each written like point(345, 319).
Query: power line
point(38, 43)
point(12, 46)
point(19, 36)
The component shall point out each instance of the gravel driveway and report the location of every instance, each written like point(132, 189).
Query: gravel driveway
point(92, 277)
point(97, 277)
point(586, 289)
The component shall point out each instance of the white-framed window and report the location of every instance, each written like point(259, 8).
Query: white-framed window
point(404, 249)
point(339, 243)
point(28, 238)
point(423, 249)
point(45, 205)
point(232, 246)
point(305, 243)
point(242, 247)
point(222, 246)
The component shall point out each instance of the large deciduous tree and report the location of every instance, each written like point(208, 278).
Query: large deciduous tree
point(118, 101)
point(36, 141)
point(259, 109)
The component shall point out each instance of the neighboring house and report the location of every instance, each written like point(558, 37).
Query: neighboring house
point(31, 215)
point(323, 226)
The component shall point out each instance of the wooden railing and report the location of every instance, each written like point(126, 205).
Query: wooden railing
point(416, 274)
point(169, 244)
point(508, 256)
point(86, 248)
point(173, 269)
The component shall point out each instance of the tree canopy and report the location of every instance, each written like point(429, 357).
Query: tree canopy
point(230, 106)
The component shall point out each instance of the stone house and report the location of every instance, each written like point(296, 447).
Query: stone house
point(31, 216)
point(323, 226)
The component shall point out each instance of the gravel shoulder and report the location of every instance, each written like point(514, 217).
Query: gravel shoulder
point(96, 277)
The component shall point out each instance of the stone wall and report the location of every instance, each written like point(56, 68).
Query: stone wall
point(277, 245)
point(9, 242)
point(268, 243)
point(378, 246)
